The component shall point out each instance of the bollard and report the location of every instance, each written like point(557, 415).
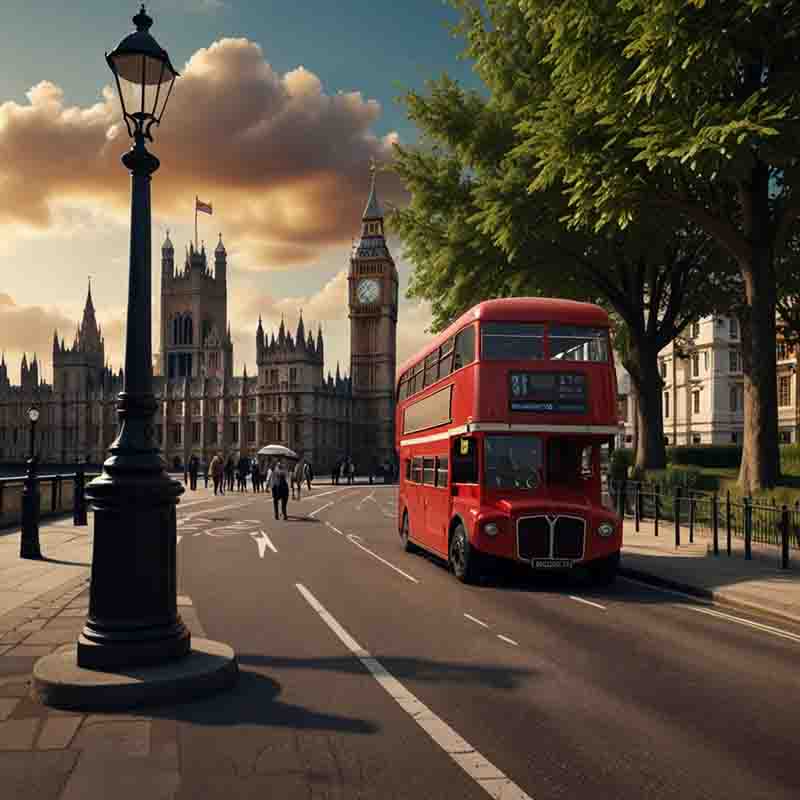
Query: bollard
point(784, 538)
point(29, 541)
point(656, 511)
point(637, 510)
point(677, 514)
point(728, 520)
point(692, 510)
point(715, 522)
point(78, 498)
point(748, 527)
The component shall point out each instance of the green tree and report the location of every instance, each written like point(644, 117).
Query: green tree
point(473, 231)
point(647, 106)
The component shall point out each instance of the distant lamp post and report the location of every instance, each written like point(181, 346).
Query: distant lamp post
point(133, 618)
point(29, 542)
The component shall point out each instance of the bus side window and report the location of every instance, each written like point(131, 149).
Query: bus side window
point(408, 469)
point(465, 347)
point(416, 470)
point(441, 471)
point(465, 461)
point(587, 462)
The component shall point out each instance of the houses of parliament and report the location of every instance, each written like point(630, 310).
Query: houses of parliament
point(203, 408)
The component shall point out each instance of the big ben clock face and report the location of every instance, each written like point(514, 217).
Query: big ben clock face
point(368, 291)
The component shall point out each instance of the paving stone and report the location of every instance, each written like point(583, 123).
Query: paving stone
point(35, 775)
point(51, 636)
point(4, 648)
point(18, 734)
point(124, 737)
point(13, 637)
point(112, 775)
point(33, 625)
point(31, 650)
point(57, 732)
point(7, 706)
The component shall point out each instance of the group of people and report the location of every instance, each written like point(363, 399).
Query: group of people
point(270, 475)
point(343, 470)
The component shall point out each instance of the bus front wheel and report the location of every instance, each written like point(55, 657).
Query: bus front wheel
point(604, 571)
point(404, 535)
point(463, 560)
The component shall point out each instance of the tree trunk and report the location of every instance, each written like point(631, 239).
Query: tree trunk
point(643, 368)
point(760, 467)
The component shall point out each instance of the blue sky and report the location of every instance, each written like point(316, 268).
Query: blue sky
point(281, 151)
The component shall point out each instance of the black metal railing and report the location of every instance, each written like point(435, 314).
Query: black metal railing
point(60, 493)
point(685, 513)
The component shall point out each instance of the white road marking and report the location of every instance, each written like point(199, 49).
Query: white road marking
point(506, 639)
point(179, 540)
point(334, 528)
point(263, 541)
point(588, 602)
point(494, 782)
point(321, 494)
point(792, 637)
point(355, 541)
point(322, 508)
point(370, 496)
point(475, 619)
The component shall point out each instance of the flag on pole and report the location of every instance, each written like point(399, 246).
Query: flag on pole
point(201, 206)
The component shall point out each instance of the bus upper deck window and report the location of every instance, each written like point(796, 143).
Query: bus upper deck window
point(465, 348)
point(578, 343)
point(512, 341)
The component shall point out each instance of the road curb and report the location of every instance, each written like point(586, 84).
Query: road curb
point(702, 593)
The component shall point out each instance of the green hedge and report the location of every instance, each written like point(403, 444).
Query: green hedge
point(706, 455)
point(621, 460)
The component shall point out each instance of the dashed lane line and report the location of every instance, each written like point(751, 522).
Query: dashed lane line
point(792, 637)
point(507, 640)
point(494, 782)
point(321, 508)
point(587, 602)
point(476, 620)
point(389, 564)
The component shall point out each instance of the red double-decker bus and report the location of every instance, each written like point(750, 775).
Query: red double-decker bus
point(500, 425)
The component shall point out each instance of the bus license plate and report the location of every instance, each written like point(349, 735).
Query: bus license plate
point(551, 563)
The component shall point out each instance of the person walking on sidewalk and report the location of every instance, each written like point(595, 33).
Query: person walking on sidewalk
point(230, 469)
point(255, 475)
point(242, 471)
point(297, 478)
point(193, 466)
point(308, 475)
point(278, 482)
point(218, 474)
point(351, 471)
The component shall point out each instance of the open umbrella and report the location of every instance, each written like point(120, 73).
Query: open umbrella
point(277, 450)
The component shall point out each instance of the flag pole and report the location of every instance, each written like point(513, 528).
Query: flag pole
point(195, 223)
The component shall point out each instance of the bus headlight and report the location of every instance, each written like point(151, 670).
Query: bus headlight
point(491, 529)
point(605, 529)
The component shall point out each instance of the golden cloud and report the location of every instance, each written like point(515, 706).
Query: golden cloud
point(284, 163)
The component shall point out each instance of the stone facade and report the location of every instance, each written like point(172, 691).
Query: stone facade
point(203, 408)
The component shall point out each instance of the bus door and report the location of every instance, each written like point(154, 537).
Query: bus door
point(464, 489)
point(437, 501)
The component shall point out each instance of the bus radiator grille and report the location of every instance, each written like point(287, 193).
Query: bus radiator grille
point(568, 536)
point(533, 538)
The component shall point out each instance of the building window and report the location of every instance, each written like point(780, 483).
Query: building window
point(695, 365)
point(734, 361)
point(196, 432)
point(196, 408)
point(177, 434)
point(662, 367)
point(695, 330)
point(696, 438)
point(251, 430)
point(784, 391)
point(234, 406)
point(696, 402)
point(292, 375)
point(251, 405)
point(785, 437)
point(666, 404)
point(734, 437)
point(234, 431)
point(733, 328)
point(705, 360)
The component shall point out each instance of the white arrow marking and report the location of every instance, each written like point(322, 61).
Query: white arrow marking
point(263, 543)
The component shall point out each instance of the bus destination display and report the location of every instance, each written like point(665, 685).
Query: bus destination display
point(548, 391)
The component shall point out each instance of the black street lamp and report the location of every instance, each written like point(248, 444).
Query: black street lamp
point(133, 618)
point(29, 541)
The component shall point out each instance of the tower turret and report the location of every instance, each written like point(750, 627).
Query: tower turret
point(320, 347)
point(259, 340)
point(300, 335)
point(167, 259)
point(220, 262)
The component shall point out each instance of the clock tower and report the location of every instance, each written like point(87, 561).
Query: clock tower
point(372, 297)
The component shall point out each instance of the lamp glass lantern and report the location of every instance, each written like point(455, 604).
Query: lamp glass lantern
point(144, 75)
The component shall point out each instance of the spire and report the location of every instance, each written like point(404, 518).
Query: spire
point(300, 336)
point(220, 247)
point(338, 374)
point(319, 342)
point(282, 332)
point(244, 373)
point(55, 341)
point(167, 247)
point(89, 305)
point(373, 209)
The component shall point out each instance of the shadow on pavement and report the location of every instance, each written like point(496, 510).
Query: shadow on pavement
point(254, 701)
point(420, 669)
point(64, 561)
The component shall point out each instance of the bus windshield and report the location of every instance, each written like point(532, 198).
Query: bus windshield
point(576, 343)
point(513, 462)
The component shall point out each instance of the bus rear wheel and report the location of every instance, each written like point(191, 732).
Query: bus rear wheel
point(463, 560)
point(404, 535)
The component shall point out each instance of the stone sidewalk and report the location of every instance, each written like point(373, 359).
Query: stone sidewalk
point(758, 585)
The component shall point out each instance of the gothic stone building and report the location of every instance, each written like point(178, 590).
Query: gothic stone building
point(203, 408)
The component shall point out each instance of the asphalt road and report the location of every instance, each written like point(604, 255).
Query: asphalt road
point(367, 672)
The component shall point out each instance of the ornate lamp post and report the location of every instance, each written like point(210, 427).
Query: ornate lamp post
point(29, 541)
point(133, 617)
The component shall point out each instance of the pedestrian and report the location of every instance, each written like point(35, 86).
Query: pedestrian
point(255, 474)
point(204, 470)
point(351, 471)
point(218, 474)
point(335, 474)
point(308, 475)
point(193, 466)
point(263, 469)
point(278, 482)
point(297, 478)
point(229, 471)
point(242, 471)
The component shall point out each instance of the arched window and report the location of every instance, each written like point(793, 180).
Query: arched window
point(187, 329)
point(175, 326)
